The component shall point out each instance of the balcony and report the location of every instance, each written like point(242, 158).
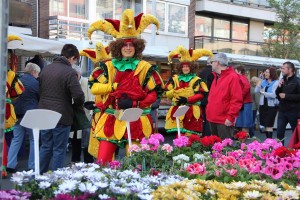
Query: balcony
point(61, 27)
point(241, 47)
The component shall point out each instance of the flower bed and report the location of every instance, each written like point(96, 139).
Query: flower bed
point(152, 164)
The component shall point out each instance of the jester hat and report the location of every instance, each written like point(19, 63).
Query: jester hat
point(11, 37)
point(99, 54)
point(127, 28)
point(187, 56)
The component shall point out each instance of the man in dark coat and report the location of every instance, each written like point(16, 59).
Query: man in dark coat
point(59, 86)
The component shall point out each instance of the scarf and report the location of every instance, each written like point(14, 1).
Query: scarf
point(186, 77)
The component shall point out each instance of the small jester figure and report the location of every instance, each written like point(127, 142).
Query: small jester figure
point(126, 81)
point(98, 56)
point(14, 88)
point(188, 89)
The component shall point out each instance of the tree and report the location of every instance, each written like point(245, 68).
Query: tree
point(283, 38)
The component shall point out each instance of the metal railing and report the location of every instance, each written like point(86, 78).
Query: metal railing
point(72, 28)
point(242, 47)
point(251, 3)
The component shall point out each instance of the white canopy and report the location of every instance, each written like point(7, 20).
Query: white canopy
point(34, 45)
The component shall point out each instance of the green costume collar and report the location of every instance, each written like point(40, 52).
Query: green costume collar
point(125, 63)
point(186, 77)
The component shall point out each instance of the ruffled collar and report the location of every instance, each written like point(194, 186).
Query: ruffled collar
point(186, 77)
point(125, 63)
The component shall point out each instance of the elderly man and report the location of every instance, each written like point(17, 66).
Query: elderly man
point(225, 98)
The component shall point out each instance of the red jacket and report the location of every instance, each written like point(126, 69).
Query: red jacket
point(246, 87)
point(225, 97)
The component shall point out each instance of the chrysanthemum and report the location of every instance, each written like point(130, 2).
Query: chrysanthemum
point(252, 194)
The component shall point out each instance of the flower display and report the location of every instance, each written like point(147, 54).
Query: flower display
point(241, 135)
point(215, 168)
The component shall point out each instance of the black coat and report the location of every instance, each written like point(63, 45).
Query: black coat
point(291, 88)
point(58, 86)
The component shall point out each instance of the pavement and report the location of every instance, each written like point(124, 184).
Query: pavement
point(6, 184)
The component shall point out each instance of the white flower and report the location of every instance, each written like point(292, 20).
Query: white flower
point(77, 175)
point(87, 187)
point(180, 158)
point(44, 184)
point(103, 196)
point(68, 186)
point(290, 194)
point(145, 197)
point(18, 179)
point(210, 192)
point(252, 194)
point(298, 188)
point(238, 185)
point(42, 178)
point(101, 184)
point(273, 188)
point(198, 157)
point(81, 164)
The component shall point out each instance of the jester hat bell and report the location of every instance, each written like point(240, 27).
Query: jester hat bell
point(187, 56)
point(127, 28)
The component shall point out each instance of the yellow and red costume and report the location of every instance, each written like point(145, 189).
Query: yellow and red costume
point(136, 79)
point(98, 55)
point(190, 87)
point(14, 88)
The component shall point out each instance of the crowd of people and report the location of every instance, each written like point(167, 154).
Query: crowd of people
point(221, 100)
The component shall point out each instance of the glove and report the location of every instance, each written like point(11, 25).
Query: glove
point(124, 102)
point(89, 105)
point(181, 101)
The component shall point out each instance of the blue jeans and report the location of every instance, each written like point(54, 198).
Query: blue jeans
point(283, 119)
point(54, 145)
point(16, 143)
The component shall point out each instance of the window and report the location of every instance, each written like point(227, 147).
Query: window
point(203, 26)
point(239, 31)
point(58, 7)
point(77, 9)
point(221, 28)
point(160, 13)
point(177, 21)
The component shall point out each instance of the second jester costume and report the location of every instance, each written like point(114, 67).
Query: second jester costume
point(124, 82)
point(188, 89)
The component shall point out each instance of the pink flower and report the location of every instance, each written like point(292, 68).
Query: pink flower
point(182, 141)
point(153, 141)
point(232, 172)
point(158, 137)
point(168, 148)
point(218, 173)
point(218, 146)
point(227, 142)
point(196, 168)
point(115, 164)
point(145, 147)
point(144, 140)
point(134, 148)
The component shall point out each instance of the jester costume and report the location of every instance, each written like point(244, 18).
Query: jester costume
point(98, 55)
point(137, 79)
point(132, 80)
point(193, 88)
point(188, 87)
point(14, 88)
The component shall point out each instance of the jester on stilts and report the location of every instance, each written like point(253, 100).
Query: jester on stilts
point(126, 81)
point(186, 88)
point(14, 89)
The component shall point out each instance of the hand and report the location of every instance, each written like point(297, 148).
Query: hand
point(89, 105)
point(281, 82)
point(124, 102)
point(181, 101)
point(228, 123)
point(282, 95)
point(262, 92)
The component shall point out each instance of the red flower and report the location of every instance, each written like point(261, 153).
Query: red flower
point(282, 152)
point(193, 138)
point(210, 140)
point(241, 135)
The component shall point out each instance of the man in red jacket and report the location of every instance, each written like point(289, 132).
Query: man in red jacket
point(225, 98)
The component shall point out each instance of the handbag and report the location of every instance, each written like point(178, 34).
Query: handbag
point(80, 120)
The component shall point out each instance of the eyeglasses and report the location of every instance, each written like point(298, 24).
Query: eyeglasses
point(211, 62)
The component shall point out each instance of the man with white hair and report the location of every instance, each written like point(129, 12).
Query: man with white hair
point(27, 101)
point(225, 98)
